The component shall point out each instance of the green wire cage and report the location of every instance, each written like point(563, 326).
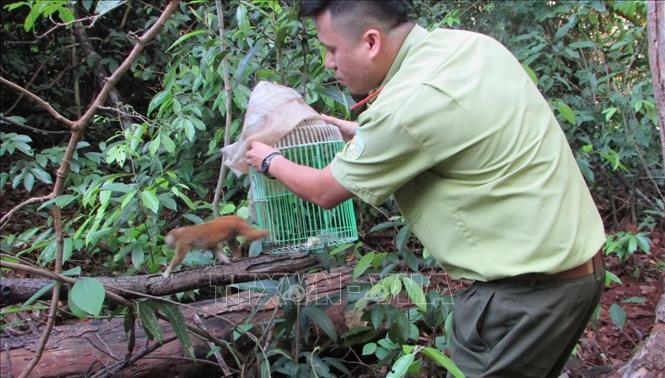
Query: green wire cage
point(296, 225)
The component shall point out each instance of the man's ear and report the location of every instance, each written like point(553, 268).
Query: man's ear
point(373, 41)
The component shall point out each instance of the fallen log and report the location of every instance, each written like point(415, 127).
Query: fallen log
point(17, 290)
point(91, 347)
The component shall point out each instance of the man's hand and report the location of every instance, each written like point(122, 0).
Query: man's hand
point(256, 152)
point(347, 128)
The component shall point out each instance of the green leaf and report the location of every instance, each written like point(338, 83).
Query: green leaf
point(643, 242)
point(73, 272)
point(385, 225)
point(186, 37)
point(369, 349)
point(611, 278)
point(104, 197)
point(150, 200)
point(153, 146)
point(138, 257)
point(376, 316)
point(117, 187)
point(106, 6)
point(242, 66)
point(67, 249)
point(88, 294)
point(632, 244)
point(618, 315)
point(149, 321)
point(415, 293)
point(41, 175)
point(609, 112)
point(566, 28)
point(28, 181)
point(177, 321)
point(74, 308)
point(190, 130)
point(60, 201)
point(320, 318)
point(158, 100)
point(35, 12)
point(65, 14)
point(12, 6)
point(638, 300)
point(402, 237)
point(168, 143)
point(38, 294)
point(566, 112)
point(395, 285)
point(443, 360)
point(241, 329)
point(363, 264)
point(401, 366)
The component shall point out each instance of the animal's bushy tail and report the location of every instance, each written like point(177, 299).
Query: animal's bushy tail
point(250, 233)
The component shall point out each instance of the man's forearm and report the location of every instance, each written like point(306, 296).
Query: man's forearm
point(311, 184)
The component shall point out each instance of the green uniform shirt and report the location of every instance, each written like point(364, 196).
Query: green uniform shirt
point(475, 158)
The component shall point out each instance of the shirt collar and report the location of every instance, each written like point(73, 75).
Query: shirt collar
point(415, 35)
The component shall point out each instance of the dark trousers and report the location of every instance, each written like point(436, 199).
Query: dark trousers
point(522, 327)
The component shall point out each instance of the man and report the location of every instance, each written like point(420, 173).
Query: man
point(481, 169)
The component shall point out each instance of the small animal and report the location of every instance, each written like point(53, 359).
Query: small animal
point(208, 235)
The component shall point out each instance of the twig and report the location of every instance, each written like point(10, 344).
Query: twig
point(59, 25)
point(106, 352)
point(10, 213)
point(34, 76)
point(118, 366)
point(59, 117)
point(218, 356)
point(8, 358)
point(55, 297)
point(227, 106)
point(30, 128)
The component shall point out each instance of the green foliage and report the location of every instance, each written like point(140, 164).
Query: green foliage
point(625, 243)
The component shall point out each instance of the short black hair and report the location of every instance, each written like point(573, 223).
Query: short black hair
point(389, 12)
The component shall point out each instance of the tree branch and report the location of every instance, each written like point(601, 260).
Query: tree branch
point(227, 106)
point(59, 117)
point(10, 213)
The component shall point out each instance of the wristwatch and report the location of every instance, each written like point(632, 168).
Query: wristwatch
point(265, 164)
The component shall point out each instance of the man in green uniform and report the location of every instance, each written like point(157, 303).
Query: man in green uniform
point(479, 166)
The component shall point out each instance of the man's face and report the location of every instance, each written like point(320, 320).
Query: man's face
point(350, 57)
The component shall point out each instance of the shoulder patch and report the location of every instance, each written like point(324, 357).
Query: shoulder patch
point(356, 148)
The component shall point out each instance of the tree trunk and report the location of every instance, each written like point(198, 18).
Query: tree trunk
point(16, 290)
point(656, 44)
point(89, 347)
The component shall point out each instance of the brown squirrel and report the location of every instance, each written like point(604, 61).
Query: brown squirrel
point(208, 235)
